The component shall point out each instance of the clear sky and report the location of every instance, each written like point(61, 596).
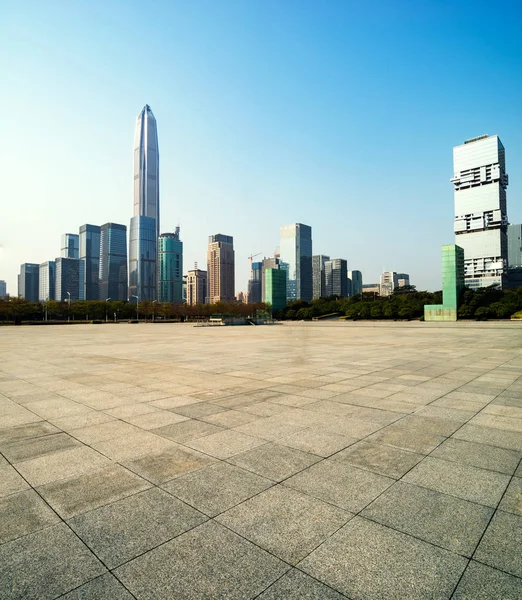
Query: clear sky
point(338, 114)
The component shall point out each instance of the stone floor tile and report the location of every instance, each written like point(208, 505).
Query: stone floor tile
point(274, 461)
point(130, 410)
point(482, 456)
point(119, 532)
point(512, 440)
point(317, 441)
point(45, 565)
point(104, 431)
point(61, 465)
point(196, 411)
point(285, 522)
point(263, 409)
point(71, 497)
point(385, 460)
point(23, 513)
point(187, 430)
point(500, 546)
point(105, 587)
point(32, 430)
point(133, 446)
point(35, 447)
point(497, 422)
point(367, 560)
point(443, 520)
point(512, 500)
point(217, 488)
point(59, 407)
point(296, 585)
point(173, 402)
point(10, 480)
point(230, 418)
point(153, 420)
point(460, 480)
point(85, 419)
point(225, 443)
point(209, 562)
point(340, 484)
point(406, 438)
point(270, 428)
point(480, 582)
point(163, 466)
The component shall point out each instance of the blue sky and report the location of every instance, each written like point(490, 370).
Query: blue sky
point(338, 114)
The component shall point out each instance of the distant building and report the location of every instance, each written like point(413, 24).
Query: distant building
point(275, 286)
point(296, 251)
point(356, 282)
point(143, 243)
point(403, 279)
point(170, 267)
point(452, 283)
point(268, 263)
point(220, 269)
point(389, 281)
point(3, 289)
point(371, 288)
point(514, 236)
point(113, 262)
point(90, 254)
point(69, 279)
point(196, 287)
point(336, 277)
point(70, 245)
point(241, 298)
point(480, 182)
point(254, 283)
point(47, 281)
point(28, 281)
point(318, 276)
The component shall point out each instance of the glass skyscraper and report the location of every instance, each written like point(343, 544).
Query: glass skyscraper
point(47, 281)
point(145, 225)
point(296, 251)
point(28, 281)
point(170, 267)
point(69, 278)
point(356, 283)
point(70, 245)
point(90, 254)
point(318, 276)
point(113, 262)
point(336, 277)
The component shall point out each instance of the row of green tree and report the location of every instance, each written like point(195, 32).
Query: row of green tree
point(21, 310)
point(407, 303)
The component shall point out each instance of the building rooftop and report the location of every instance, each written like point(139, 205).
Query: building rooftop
point(306, 460)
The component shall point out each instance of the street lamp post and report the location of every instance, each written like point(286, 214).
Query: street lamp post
point(106, 317)
point(137, 306)
point(68, 307)
point(153, 303)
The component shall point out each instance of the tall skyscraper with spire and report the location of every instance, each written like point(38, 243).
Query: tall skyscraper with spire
point(144, 226)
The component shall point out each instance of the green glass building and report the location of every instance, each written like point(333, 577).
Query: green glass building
point(275, 288)
point(452, 284)
point(170, 267)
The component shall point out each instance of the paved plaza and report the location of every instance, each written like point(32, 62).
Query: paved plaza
point(297, 461)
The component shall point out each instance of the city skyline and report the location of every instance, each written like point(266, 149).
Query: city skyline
point(262, 116)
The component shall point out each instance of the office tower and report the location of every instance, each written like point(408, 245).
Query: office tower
point(69, 278)
point(318, 276)
point(47, 275)
point(196, 286)
point(268, 263)
point(28, 281)
point(389, 281)
point(403, 279)
point(113, 262)
point(3, 289)
point(170, 267)
point(255, 293)
point(453, 259)
point(70, 245)
point(296, 251)
point(356, 285)
point(145, 224)
point(275, 282)
point(90, 254)
point(514, 236)
point(371, 288)
point(480, 182)
point(336, 277)
point(220, 268)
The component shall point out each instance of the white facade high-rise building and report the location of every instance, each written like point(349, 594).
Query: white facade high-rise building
point(480, 182)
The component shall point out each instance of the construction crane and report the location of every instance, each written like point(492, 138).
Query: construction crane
point(251, 257)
